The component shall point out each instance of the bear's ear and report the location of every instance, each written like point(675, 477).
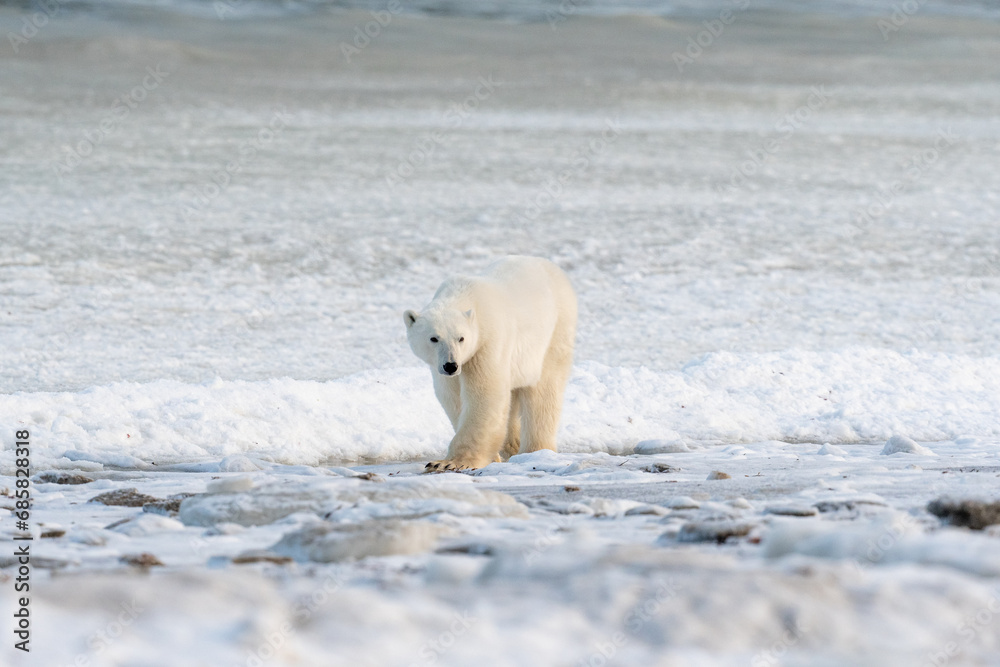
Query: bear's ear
point(470, 315)
point(409, 317)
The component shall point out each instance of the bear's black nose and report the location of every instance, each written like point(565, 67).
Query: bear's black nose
point(450, 368)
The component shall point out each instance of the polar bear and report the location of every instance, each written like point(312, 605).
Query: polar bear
point(500, 348)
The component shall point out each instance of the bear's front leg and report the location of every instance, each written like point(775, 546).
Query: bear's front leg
point(482, 426)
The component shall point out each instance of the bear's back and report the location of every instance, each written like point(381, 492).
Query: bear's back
point(538, 300)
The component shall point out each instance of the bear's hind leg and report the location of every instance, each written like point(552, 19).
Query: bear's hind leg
point(543, 402)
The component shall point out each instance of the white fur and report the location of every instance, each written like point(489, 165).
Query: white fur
point(510, 334)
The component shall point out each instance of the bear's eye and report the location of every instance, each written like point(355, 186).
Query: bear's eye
point(434, 339)
point(462, 339)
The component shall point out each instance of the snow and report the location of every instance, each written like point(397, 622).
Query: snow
point(149, 524)
point(560, 583)
point(770, 388)
point(900, 444)
point(826, 544)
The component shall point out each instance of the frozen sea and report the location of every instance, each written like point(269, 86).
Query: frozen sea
point(782, 220)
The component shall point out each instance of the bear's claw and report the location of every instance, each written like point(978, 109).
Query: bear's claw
point(446, 465)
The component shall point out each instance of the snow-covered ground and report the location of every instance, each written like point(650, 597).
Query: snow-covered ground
point(788, 261)
point(555, 559)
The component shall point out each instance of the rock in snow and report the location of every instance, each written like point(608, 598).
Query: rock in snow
point(714, 531)
point(974, 514)
point(55, 477)
point(143, 560)
point(123, 497)
point(791, 510)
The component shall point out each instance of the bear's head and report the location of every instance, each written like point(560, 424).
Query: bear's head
point(445, 338)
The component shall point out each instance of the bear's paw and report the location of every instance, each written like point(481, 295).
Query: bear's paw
point(454, 465)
